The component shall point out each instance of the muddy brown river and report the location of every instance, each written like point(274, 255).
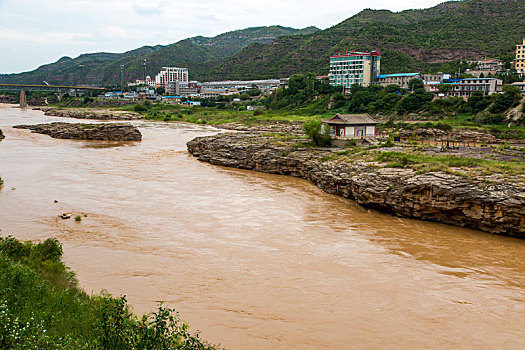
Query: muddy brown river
point(256, 261)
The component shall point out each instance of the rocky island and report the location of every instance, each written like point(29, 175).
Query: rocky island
point(106, 132)
point(429, 185)
point(90, 113)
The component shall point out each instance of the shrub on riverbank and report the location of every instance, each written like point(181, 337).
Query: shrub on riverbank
point(41, 307)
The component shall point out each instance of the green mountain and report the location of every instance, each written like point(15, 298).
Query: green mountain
point(198, 54)
point(409, 40)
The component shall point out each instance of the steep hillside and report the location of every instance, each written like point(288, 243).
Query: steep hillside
point(409, 40)
point(199, 54)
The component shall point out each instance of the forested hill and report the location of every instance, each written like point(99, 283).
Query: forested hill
point(409, 40)
point(199, 54)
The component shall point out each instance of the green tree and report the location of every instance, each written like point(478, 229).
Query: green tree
point(510, 97)
point(477, 102)
point(414, 102)
point(314, 129)
point(414, 84)
point(160, 90)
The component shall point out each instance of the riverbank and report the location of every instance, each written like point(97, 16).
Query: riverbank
point(42, 307)
point(480, 193)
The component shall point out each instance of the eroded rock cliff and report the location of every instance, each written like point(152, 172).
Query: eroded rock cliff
point(491, 204)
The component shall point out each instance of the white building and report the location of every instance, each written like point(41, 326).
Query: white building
point(465, 87)
point(169, 74)
point(148, 82)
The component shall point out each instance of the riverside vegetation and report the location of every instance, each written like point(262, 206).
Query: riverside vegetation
point(41, 307)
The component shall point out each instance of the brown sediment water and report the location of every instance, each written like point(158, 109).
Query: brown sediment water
point(256, 261)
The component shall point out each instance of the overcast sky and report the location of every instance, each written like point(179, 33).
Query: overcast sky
point(36, 32)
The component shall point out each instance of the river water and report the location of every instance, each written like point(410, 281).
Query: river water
point(256, 261)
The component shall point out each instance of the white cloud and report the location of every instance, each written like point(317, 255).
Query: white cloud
point(146, 10)
point(34, 32)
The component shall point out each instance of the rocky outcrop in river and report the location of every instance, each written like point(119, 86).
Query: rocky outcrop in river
point(1, 135)
point(85, 113)
point(107, 132)
point(491, 204)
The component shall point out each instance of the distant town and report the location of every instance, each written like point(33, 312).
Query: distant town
point(173, 84)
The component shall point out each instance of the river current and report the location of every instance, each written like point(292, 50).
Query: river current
point(252, 260)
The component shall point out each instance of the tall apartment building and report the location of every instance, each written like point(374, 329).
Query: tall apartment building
point(519, 62)
point(350, 68)
point(169, 74)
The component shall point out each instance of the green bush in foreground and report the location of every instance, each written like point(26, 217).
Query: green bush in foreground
point(41, 307)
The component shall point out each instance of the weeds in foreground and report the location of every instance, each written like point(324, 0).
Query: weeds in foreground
point(41, 307)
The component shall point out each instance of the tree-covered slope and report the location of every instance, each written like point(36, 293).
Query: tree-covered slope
point(198, 54)
point(409, 40)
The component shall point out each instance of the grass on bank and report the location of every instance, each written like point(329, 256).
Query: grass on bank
point(414, 159)
point(237, 113)
point(41, 307)
point(461, 122)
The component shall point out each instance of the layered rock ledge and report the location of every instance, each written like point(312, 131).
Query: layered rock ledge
point(491, 204)
point(106, 132)
point(95, 114)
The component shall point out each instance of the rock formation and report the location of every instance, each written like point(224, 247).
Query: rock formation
point(108, 132)
point(103, 114)
point(495, 206)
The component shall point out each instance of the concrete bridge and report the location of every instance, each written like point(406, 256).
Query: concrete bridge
point(46, 88)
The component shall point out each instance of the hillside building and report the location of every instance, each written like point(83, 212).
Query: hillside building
point(490, 65)
point(465, 87)
point(169, 74)
point(242, 84)
point(400, 79)
point(519, 62)
point(351, 68)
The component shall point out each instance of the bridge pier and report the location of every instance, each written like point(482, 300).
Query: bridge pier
point(23, 99)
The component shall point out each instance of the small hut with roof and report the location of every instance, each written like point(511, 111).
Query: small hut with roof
point(351, 126)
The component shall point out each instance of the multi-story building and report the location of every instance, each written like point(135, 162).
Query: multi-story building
point(182, 89)
point(519, 62)
point(435, 78)
point(465, 87)
point(241, 84)
point(400, 79)
point(490, 65)
point(168, 74)
point(350, 68)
